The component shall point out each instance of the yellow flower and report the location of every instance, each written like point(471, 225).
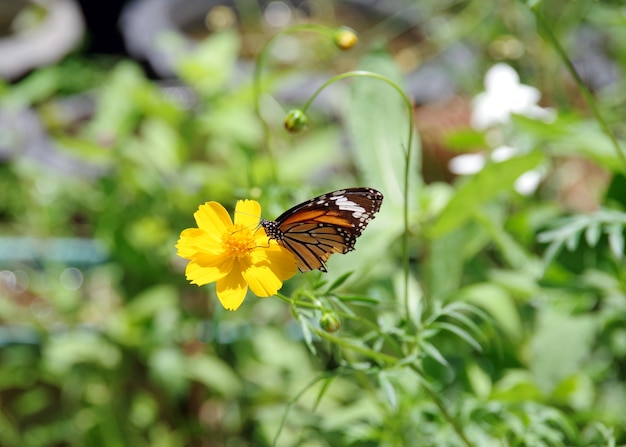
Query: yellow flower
point(234, 255)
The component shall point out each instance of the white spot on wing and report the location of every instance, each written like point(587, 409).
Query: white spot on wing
point(346, 205)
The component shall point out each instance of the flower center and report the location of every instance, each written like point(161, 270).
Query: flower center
point(239, 242)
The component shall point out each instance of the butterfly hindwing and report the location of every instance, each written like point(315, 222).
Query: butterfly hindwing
point(327, 224)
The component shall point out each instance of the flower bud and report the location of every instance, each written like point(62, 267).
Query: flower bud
point(295, 121)
point(345, 38)
point(330, 322)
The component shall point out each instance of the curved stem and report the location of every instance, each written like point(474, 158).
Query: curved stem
point(407, 165)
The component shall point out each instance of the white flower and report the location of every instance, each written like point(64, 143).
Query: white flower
point(528, 182)
point(503, 96)
point(468, 164)
point(502, 153)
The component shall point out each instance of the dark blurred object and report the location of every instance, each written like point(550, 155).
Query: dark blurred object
point(35, 34)
point(592, 61)
point(102, 18)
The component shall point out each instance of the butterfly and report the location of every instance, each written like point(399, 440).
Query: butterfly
point(327, 224)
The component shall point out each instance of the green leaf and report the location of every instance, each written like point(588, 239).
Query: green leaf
point(214, 374)
point(210, 67)
point(463, 319)
point(592, 234)
point(567, 136)
point(511, 250)
point(480, 189)
point(616, 239)
point(117, 114)
point(338, 282)
point(479, 380)
point(167, 366)
point(433, 352)
point(358, 299)
point(498, 303)
point(465, 140)
point(571, 242)
point(315, 152)
point(443, 267)
point(388, 389)
point(307, 334)
point(559, 347)
point(65, 350)
point(379, 124)
point(325, 386)
point(460, 332)
point(36, 87)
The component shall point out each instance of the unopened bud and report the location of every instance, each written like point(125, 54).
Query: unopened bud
point(330, 322)
point(295, 121)
point(345, 38)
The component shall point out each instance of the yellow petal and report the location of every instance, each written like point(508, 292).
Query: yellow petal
point(247, 213)
point(269, 268)
point(281, 261)
point(205, 269)
point(195, 240)
point(262, 280)
point(231, 290)
point(213, 218)
point(186, 244)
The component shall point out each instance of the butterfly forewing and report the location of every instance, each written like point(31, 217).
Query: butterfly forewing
point(330, 223)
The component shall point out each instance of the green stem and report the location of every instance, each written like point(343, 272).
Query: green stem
point(367, 352)
point(407, 165)
point(384, 359)
point(442, 408)
point(549, 35)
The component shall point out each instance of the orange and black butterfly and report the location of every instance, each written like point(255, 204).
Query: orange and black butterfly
point(327, 224)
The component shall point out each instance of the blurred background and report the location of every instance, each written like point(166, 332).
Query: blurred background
point(118, 118)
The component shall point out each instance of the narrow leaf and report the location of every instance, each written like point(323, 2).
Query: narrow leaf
point(592, 234)
point(462, 318)
point(616, 240)
point(307, 334)
point(338, 282)
point(572, 241)
point(461, 333)
point(358, 299)
point(433, 352)
point(388, 389)
point(323, 390)
point(551, 252)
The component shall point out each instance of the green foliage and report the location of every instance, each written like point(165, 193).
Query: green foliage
point(507, 330)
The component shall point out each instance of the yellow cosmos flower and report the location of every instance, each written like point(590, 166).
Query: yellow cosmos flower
point(234, 255)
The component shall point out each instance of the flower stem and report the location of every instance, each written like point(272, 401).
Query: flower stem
point(407, 165)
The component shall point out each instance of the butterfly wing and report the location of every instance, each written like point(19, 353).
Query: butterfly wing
point(327, 224)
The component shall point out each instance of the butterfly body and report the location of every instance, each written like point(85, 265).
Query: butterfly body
point(327, 224)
